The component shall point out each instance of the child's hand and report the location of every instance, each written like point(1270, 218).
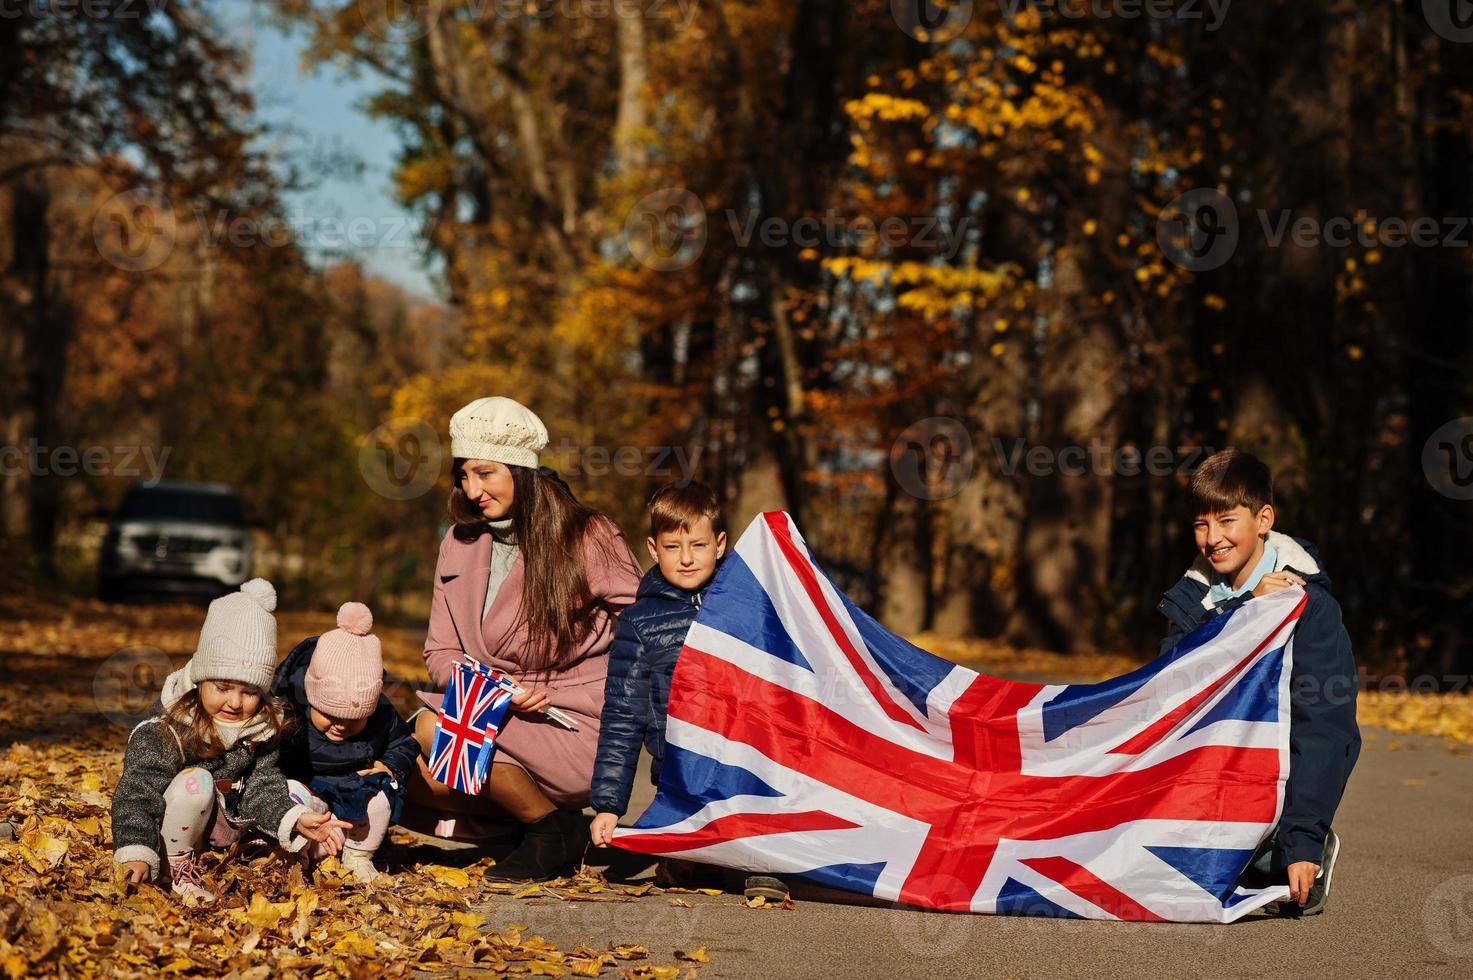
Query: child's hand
point(602, 829)
point(1301, 879)
point(1275, 582)
point(530, 701)
point(136, 870)
point(319, 827)
point(376, 767)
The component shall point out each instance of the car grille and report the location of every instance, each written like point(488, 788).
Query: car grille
point(173, 546)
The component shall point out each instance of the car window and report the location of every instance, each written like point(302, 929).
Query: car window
point(180, 505)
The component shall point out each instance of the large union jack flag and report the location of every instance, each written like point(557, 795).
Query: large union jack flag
point(470, 718)
point(804, 739)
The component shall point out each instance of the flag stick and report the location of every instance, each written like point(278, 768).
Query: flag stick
point(556, 714)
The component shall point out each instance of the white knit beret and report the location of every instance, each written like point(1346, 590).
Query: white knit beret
point(238, 639)
point(498, 429)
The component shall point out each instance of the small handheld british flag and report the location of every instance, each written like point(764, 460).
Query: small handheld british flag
point(470, 718)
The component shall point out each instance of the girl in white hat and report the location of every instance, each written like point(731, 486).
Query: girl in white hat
point(205, 767)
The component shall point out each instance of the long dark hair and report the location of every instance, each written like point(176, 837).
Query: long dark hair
point(553, 529)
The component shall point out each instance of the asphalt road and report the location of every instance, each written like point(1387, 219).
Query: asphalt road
point(1402, 905)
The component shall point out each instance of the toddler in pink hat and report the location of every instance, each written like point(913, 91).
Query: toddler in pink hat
point(352, 753)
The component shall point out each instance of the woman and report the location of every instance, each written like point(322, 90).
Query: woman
point(529, 581)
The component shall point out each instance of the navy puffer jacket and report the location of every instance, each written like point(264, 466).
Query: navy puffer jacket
point(1324, 740)
point(310, 755)
point(637, 692)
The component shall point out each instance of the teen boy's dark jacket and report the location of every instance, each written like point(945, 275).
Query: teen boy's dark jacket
point(310, 754)
point(637, 692)
point(1324, 741)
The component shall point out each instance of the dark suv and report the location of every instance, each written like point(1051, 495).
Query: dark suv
point(175, 536)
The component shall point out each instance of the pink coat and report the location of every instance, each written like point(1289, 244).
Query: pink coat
point(560, 761)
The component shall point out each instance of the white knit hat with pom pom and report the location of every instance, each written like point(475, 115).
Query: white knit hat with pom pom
point(238, 640)
point(346, 675)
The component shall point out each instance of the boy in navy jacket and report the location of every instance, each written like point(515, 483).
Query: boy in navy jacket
point(686, 542)
point(1240, 556)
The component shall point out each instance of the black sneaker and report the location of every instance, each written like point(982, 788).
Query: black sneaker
point(763, 886)
point(1319, 892)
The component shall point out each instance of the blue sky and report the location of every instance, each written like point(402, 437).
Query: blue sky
point(315, 117)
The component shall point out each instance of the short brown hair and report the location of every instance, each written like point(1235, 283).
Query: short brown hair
point(676, 506)
point(1230, 479)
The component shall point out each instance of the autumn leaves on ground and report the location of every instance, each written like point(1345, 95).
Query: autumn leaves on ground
point(77, 673)
point(74, 676)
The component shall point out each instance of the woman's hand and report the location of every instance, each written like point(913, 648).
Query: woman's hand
point(136, 870)
point(320, 827)
point(530, 702)
point(602, 829)
point(378, 766)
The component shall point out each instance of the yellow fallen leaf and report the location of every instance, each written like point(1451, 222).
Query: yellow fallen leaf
point(531, 890)
point(697, 955)
point(540, 968)
point(88, 827)
point(454, 877)
point(631, 952)
point(266, 915)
